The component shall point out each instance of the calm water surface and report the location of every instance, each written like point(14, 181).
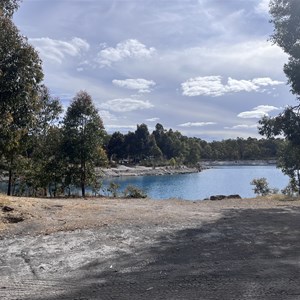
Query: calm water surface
point(219, 180)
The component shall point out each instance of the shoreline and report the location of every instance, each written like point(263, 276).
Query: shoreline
point(125, 171)
point(122, 171)
point(213, 163)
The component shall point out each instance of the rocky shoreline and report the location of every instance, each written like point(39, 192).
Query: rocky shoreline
point(214, 163)
point(122, 170)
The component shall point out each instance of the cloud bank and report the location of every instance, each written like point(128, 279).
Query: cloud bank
point(57, 50)
point(139, 84)
point(257, 112)
point(130, 48)
point(213, 86)
point(196, 124)
point(126, 105)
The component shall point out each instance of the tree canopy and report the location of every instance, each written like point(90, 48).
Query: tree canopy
point(20, 76)
point(83, 133)
point(286, 20)
point(8, 7)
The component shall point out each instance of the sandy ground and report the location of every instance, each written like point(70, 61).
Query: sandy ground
point(145, 249)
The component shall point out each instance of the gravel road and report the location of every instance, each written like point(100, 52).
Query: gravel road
point(144, 249)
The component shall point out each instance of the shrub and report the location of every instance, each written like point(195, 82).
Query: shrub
point(261, 186)
point(113, 189)
point(134, 192)
point(291, 189)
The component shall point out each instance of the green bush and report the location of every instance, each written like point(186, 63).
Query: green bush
point(134, 192)
point(113, 189)
point(261, 187)
point(291, 189)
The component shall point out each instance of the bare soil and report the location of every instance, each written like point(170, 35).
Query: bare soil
point(145, 249)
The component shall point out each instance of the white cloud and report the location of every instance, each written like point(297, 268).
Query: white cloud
point(57, 50)
point(121, 127)
point(130, 48)
point(106, 116)
point(142, 85)
point(152, 120)
point(125, 105)
point(208, 85)
point(265, 81)
point(257, 112)
point(242, 126)
point(213, 86)
point(196, 124)
point(263, 7)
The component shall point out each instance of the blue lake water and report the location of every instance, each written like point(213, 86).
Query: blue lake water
point(219, 180)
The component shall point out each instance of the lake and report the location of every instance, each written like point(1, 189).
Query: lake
point(223, 180)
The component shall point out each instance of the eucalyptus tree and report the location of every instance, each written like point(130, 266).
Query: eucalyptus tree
point(286, 19)
point(8, 7)
point(20, 76)
point(83, 135)
point(44, 142)
point(116, 147)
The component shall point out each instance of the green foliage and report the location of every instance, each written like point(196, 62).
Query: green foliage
point(113, 189)
point(115, 146)
point(20, 75)
point(286, 19)
point(261, 186)
point(8, 7)
point(172, 162)
point(286, 124)
point(96, 186)
point(134, 192)
point(161, 146)
point(83, 133)
point(291, 189)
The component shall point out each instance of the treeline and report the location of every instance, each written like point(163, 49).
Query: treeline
point(171, 147)
point(40, 152)
point(51, 155)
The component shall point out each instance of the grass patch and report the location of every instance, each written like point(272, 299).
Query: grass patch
point(4, 200)
point(281, 197)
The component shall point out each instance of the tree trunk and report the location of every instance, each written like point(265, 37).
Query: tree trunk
point(298, 175)
point(83, 180)
point(83, 189)
point(10, 178)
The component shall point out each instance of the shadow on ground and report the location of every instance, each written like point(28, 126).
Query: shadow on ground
point(248, 254)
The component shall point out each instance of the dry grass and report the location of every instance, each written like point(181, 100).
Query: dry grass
point(4, 200)
point(44, 215)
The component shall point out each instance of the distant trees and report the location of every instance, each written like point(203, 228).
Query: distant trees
point(171, 147)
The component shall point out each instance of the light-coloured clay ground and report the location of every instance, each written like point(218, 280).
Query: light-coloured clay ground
point(145, 249)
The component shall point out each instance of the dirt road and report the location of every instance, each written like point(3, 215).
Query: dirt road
point(145, 249)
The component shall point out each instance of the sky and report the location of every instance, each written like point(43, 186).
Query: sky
point(203, 67)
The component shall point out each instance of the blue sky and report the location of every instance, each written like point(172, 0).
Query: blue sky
point(203, 67)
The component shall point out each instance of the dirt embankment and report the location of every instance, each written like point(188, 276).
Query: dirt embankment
point(144, 249)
